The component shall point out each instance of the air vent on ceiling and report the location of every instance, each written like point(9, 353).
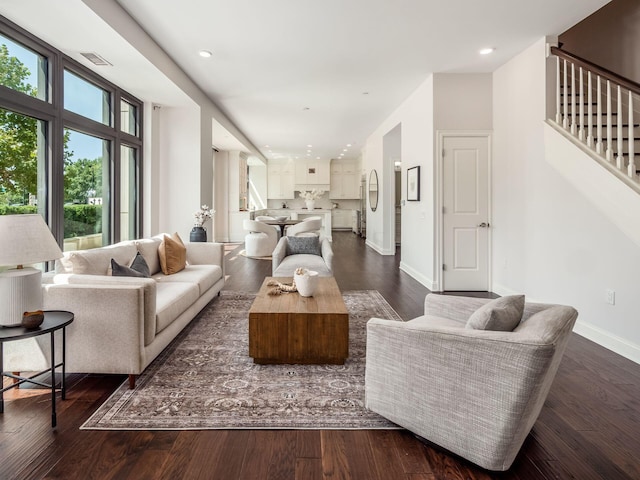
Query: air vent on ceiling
point(95, 59)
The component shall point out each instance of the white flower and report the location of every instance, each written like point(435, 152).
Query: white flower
point(312, 195)
point(203, 215)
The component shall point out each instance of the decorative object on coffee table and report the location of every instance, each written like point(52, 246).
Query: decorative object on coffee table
point(306, 281)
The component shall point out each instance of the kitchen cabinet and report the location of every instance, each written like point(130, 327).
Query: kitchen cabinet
point(345, 181)
point(312, 172)
point(280, 181)
point(341, 219)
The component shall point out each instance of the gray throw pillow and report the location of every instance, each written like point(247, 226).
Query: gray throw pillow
point(502, 314)
point(138, 268)
point(303, 245)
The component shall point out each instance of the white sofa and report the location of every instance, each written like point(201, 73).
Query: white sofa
point(121, 323)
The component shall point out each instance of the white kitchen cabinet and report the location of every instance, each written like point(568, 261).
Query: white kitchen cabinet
point(341, 219)
point(345, 181)
point(280, 181)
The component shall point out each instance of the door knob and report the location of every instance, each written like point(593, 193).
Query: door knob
point(484, 225)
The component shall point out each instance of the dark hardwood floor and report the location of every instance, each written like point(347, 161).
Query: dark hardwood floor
point(588, 429)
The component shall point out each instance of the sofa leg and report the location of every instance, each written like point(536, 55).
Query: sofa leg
point(132, 382)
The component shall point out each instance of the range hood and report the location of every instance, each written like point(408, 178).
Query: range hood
point(307, 187)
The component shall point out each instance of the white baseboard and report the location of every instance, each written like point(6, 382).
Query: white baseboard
point(378, 248)
point(502, 290)
point(427, 282)
point(607, 340)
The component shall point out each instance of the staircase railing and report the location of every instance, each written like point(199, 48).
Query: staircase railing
point(611, 102)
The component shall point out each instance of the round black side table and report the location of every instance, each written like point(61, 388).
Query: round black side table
point(53, 320)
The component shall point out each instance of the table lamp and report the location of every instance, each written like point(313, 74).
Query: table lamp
point(24, 240)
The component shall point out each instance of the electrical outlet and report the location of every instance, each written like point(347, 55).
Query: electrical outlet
point(611, 297)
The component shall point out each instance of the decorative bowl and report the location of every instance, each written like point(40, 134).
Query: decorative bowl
point(281, 218)
point(32, 319)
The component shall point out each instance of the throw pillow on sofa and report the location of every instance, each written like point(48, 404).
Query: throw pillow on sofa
point(138, 268)
point(173, 254)
point(303, 245)
point(501, 314)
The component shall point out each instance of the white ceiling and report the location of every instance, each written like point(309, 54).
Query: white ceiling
point(292, 73)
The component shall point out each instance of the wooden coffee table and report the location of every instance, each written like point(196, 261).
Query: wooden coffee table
point(288, 328)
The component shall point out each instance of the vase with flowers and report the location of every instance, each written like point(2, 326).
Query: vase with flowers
point(311, 197)
point(198, 232)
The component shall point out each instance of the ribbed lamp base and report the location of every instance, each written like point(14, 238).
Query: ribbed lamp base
point(20, 291)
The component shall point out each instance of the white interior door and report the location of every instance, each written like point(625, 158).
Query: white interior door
point(466, 213)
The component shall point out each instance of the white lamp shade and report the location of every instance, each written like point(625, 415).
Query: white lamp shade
point(25, 240)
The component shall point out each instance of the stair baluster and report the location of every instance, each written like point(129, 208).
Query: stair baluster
point(609, 125)
point(599, 117)
point(631, 171)
point(589, 111)
point(620, 157)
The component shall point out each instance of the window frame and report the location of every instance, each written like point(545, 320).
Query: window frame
point(57, 119)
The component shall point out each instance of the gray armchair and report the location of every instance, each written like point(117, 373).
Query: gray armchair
point(285, 262)
point(476, 393)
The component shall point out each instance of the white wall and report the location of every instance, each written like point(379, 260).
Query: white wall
point(462, 101)
point(258, 186)
point(443, 102)
point(417, 146)
point(549, 241)
point(179, 169)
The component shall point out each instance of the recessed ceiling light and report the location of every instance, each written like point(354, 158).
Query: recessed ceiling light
point(306, 108)
point(309, 146)
point(205, 53)
point(365, 93)
point(486, 51)
point(348, 144)
point(317, 158)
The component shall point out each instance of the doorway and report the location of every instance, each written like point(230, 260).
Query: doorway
point(392, 155)
point(465, 210)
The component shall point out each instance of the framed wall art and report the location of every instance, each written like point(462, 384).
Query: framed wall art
point(413, 184)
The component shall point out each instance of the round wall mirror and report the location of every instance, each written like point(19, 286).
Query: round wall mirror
point(373, 190)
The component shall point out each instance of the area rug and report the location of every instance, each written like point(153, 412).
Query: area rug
point(206, 380)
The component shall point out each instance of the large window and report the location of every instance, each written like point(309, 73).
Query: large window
point(86, 99)
point(22, 69)
point(69, 151)
point(22, 163)
point(86, 191)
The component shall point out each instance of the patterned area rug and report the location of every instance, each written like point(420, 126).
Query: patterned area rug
point(206, 380)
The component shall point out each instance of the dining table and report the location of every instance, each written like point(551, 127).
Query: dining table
point(281, 223)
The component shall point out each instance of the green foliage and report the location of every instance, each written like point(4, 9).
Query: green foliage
point(81, 220)
point(81, 177)
point(17, 209)
point(18, 133)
